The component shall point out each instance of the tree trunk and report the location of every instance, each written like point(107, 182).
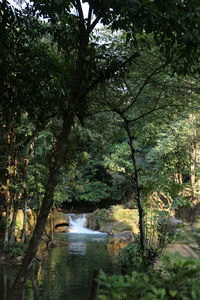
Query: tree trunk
point(7, 226)
point(138, 189)
point(5, 281)
point(58, 157)
point(13, 224)
point(35, 285)
point(51, 225)
point(23, 236)
point(194, 157)
point(95, 286)
point(11, 140)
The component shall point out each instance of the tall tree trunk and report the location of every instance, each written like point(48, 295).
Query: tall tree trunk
point(137, 183)
point(22, 193)
point(138, 195)
point(35, 284)
point(198, 165)
point(6, 236)
point(5, 281)
point(7, 190)
point(51, 225)
point(58, 157)
point(13, 224)
point(23, 236)
point(136, 177)
point(193, 165)
point(193, 155)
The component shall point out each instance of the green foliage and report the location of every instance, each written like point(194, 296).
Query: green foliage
point(178, 279)
point(192, 240)
point(94, 191)
point(119, 160)
point(82, 182)
point(127, 215)
point(103, 215)
point(132, 258)
point(39, 84)
point(15, 249)
point(131, 204)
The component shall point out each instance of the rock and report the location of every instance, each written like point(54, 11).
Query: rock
point(121, 227)
point(60, 221)
point(91, 221)
point(115, 227)
point(167, 226)
point(19, 259)
point(2, 258)
point(107, 228)
point(121, 240)
point(62, 229)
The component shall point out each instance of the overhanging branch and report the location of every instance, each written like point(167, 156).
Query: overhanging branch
point(142, 87)
point(107, 73)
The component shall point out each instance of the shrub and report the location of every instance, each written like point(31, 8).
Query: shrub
point(131, 258)
point(103, 215)
point(179, 279)
point(128, 215)
point(131, 204)
point(15, 249)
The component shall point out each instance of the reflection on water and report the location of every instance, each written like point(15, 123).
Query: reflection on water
point(65, 272)
point(77, 248)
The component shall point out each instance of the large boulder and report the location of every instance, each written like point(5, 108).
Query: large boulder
point(91, 221)
point(167, 226)
point(121, 240)
point(115, 227)
point(60, 221)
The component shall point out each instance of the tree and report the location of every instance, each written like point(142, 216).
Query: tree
point(73, 36)
point(29, 82)
point(134, 98)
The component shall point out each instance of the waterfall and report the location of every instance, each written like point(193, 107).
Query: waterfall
point(77, 224)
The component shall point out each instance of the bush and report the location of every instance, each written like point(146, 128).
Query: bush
point(103, 215)
point(179, 279)
point(15, 249)
point(131, 204)
point(131, 258)
point(121, 214)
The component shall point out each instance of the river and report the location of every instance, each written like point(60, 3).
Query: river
point(65, 272)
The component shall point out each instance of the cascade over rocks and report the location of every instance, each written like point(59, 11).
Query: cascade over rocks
point(107, 226)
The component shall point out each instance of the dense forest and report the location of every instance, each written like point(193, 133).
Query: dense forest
point(99, 105)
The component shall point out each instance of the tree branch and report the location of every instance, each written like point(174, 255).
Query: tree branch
point(94, 23)
point(81, 16)
point(152, 110)
point(89, 18)
point(108, 72)
point(142, 87)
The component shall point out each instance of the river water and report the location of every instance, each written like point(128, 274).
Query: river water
point(65, 272)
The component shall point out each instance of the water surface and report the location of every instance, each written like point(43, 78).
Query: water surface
point(65, 272)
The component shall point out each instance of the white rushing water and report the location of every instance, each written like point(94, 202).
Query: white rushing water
point(77, 224)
